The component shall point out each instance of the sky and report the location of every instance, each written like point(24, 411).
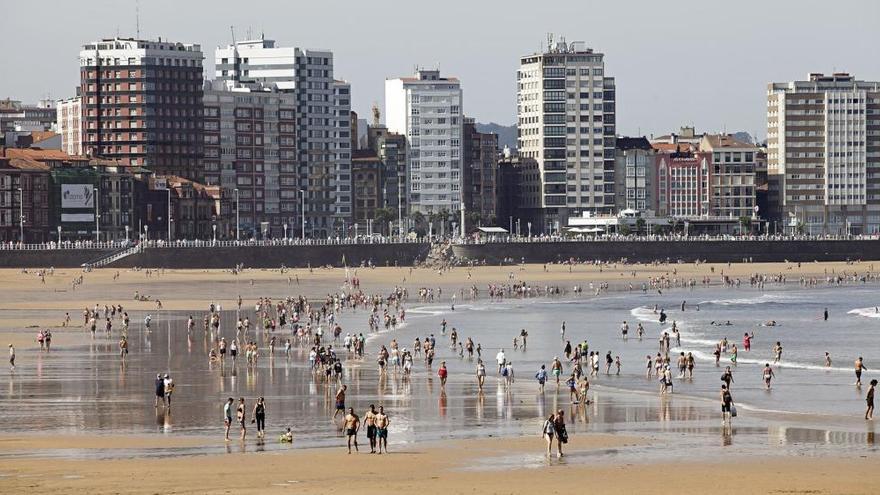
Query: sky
point(677, 62)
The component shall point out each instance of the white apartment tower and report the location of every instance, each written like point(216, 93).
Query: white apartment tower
point(69, 116)
point(426, 108)
point(566, 123)
point(823, 141)
point(322, 121)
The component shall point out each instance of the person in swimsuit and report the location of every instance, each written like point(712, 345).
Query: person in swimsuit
point(548, 431)
point(860, 366)
point(227, 415)
point(767, 375)
point(726, 403)
point(370, 422)
point(442, 373)
point(241, 415)
point(541, 376)
point(352, 425)
point(260, 417)
point(382, 423)
point(160, 390)
point(340, 401)
point(481, 374)
point(869, 398)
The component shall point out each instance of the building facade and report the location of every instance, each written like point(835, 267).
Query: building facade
point(24, 200)
point(250, 153)
point(683, 184)
point(566, 120)
point(480, 174)
point(427, 109)
point(69, 117)
point(323, 128)
point(635, 175)
point(367, 180)
point(733, 175)
point(142, 104)
point(823, 142)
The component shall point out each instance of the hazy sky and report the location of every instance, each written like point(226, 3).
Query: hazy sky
point(702, 62)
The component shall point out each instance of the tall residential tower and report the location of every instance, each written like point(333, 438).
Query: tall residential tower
point(566, 123)
point(426, 108)
point(823, 143)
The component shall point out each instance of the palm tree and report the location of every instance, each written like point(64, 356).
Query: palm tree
point(383, 216)
point(418, 219)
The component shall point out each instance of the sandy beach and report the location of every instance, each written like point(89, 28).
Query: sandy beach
point(454, 466)
point(444, 468)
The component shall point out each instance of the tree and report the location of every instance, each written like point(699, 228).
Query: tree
point(657, 229)
point(640, 225)
point(419, 222)
point(624, 229)
point(745, 223)
point(383, 216)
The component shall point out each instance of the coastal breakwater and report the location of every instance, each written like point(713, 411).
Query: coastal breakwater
point(407, 254)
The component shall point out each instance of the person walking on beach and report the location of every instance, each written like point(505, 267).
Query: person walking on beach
point(227, 415)
point(561, 433)
point(160, 390)
point(340, 401)
point(352, 424)
point(123, 348)
point(382, 423)
point(727, 377)
point(501, 359)
point(481, 374)
point(860, 366)
point(869, 398)
point(768, 375)
point(726, 405)
point(370, 423)
point(548, 431)
point(442, 373)
point(260, 417)
point(556, 368)
point(541, 376)
point(241, 416)
point(168, 385)
point(11, 357)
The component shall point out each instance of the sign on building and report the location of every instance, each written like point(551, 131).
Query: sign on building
point(77, 196)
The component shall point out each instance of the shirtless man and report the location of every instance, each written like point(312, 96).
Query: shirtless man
point(352, 426)
point(370, 422)
point(860, 366)
point(340, 401)
point(767, 374)
point(382, 423)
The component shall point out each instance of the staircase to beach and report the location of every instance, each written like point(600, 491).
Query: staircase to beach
point(114, 256)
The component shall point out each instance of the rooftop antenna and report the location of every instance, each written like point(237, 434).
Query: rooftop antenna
point(137, 18)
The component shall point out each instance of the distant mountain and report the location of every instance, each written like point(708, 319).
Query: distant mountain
point(506, 133)
point(744, 137)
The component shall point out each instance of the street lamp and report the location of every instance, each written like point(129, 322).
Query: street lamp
point(97, 216)
point(214, 226)
point(126, 233)
point(302, 193)
point(147, 232)
point(236, 214)
point(169, 213)
point(59, 236)
point(21, 214)
point(285, 232)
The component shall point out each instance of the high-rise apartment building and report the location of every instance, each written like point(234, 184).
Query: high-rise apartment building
point(390, 147)
point(733, 175)
point(566, 123)
point(250, 153)
point(142, 104)
point(69, 118)
point(323, 139)
point(823, 142)
point(427, 109)
point(635, 175)
point(480, 163)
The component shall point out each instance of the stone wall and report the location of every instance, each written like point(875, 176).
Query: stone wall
point(712, 251)
point(59, 258)
point(275, 256)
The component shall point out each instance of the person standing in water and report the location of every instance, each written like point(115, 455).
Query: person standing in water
point(241, 415)
point(260, 417)
point(541, 376)
point(11, 357)
point(860, 366)
point(481, 374)
point(227, 415)
point(869, 398)
point(767, 374)
point(726, 404)
point(825, 314)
